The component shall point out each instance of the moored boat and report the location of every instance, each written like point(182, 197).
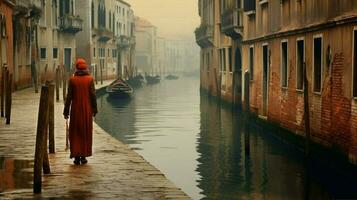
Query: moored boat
point(172, 77)
point(120, 89)
point(152, 79)
point(136, 81)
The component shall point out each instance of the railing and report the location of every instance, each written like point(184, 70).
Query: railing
point(204, 31)
point(132, 40)
point(123, 41)
point(103, 34)
point(70, 24)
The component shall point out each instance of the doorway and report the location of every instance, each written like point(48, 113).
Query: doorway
point(265, 79)
point(67, 59)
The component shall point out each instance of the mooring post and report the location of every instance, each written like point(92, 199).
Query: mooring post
point(307, 113)
point(247, 112)
point(96, 74)
point(57, 81)
point(101, 75)
point(3, 90)
point(51, 119)
point(64, 85)
point(6, 87)
point(9, 98)
point(42, 123)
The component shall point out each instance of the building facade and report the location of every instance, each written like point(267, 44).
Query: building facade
point(6, 36)
point(25, 21)
point(146, 45)
point(108, 37)
point(277, 39)
point(56, 31)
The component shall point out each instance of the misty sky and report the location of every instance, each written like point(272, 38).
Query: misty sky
point(174, 18)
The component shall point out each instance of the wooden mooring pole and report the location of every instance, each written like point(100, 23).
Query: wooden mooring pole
point(64, 84)
point(307, 113)
point(42, 124)
point(6, 77)
point(57, 82)
point(101, 75)
point(3, 71)
point(51, 119)
point(8, 98)
point(247, 112)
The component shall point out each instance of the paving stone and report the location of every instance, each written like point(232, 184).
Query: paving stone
point(114, 172)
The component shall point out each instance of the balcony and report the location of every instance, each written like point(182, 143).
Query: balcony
point(36, 7)
point(103, 34)
point(232, 23)
point(132, 40)
point(28, 7)
point(122, 41)
point(70, 24)
point(204, 35)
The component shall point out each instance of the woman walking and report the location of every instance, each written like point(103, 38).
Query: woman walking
point(81, 106)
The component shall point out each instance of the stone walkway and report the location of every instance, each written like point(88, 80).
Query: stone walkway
point(114, 172)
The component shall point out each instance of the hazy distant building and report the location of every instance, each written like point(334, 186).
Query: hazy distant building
point(146, 35)
point(108, 37)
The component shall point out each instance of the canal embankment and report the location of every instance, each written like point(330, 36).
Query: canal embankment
point(332, 157)
point(114, 171)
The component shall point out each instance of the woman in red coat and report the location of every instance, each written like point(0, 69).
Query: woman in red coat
point(81, 105)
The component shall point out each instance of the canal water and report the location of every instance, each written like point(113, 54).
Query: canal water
point(199, 146)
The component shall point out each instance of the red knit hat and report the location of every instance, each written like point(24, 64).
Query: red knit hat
point(81, 64)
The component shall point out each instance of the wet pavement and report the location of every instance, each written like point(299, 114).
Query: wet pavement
point(114, 172)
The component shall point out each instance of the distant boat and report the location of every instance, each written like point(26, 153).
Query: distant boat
point(152, 79)
point(172, 77)
point(136, 82)
point(120, 89)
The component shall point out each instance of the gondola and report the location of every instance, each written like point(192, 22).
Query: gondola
point(152, 79)
point(136, 81)
point(120, 89)
point(171, 77)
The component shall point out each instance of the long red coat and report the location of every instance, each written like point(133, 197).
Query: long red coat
point(81, 101)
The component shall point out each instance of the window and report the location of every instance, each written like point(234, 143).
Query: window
point(251, 62)
point(55, 53)
point(54, 13)
point(108, 52)
point(221, 59)
point(300, 60)
point(284, 64)
point(355, 63)
point(43, 14)
point(94, 52)
point(317, 64)
point(230, 58)
point(43, 53)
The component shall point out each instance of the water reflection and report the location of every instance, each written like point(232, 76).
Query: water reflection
point(234, 166)
point(214, 153)
point(14, 174)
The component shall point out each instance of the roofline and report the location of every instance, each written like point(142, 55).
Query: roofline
point(124, 2)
